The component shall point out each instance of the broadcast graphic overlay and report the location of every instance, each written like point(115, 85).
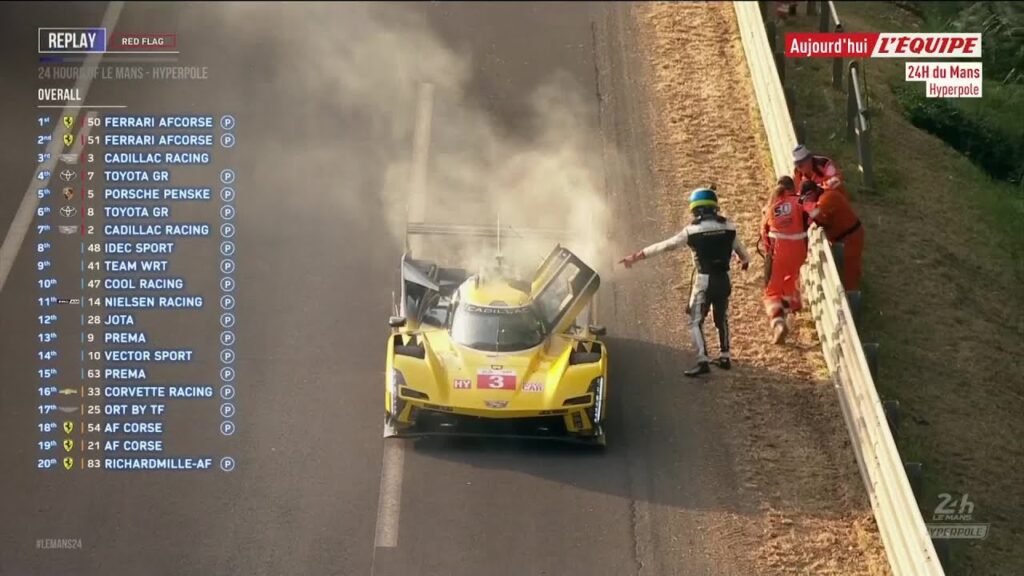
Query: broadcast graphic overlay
point(131, 203)
point(960, 79)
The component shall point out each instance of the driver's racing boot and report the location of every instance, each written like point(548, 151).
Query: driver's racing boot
point(700, 368)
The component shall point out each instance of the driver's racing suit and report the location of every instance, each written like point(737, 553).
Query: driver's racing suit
point(712, 240)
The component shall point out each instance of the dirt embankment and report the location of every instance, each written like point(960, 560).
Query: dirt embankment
point(809, 513)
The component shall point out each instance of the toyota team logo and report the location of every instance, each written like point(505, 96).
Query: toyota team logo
point(67, 175)
point(68, 211)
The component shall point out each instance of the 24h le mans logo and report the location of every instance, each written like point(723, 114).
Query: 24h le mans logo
point(952, 519)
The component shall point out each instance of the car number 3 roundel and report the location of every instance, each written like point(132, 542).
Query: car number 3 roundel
point(496, 380)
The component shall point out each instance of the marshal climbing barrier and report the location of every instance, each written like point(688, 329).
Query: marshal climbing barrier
point(908, 545)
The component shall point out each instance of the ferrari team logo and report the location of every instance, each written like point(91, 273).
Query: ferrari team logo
point(69, 121)
point(69, 426)
point(69, 463)
point(69, 444)
point(69, 139)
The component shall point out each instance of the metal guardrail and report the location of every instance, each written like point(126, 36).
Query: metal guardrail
point(830, 22)
point(857, 124)
point(906, 539)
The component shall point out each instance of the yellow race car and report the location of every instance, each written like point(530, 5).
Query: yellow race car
point(488, 354)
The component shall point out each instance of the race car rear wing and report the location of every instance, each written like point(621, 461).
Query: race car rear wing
point(421, 278)
point(477, 231)
point(420, 275)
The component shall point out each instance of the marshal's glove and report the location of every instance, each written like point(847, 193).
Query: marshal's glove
point(628, 261)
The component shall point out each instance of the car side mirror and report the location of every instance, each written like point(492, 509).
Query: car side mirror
point(597, 330)
point(396, 321)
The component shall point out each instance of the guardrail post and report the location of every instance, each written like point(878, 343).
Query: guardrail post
point(837, 254)
point(867, 166)
point(851, 109)
point(871, 355)
point(915, 474)
point(790, 93)
point(893, 415)
point(942, 551)
point(780, 64)
point(853, 299)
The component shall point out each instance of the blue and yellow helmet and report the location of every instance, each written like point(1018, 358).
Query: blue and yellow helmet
point(703, 197)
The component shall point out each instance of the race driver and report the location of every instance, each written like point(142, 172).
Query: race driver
point(712, 239)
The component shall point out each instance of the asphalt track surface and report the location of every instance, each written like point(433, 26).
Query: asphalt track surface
point(314, 296)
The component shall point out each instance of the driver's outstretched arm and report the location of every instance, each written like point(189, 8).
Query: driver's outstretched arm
point(657, 248)
point(666, 245)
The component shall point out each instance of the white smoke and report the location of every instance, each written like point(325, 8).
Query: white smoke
point(365, 64)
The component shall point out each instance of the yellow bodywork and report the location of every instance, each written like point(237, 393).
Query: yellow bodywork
point(544, 380)
point(557, 387)
point(454, 379)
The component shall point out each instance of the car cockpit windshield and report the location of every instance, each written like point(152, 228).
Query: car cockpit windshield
point(496, 328)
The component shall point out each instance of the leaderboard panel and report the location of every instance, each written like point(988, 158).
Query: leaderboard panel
point(134, 246)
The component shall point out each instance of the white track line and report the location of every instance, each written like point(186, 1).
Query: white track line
point(389, 505)
point(420, 152)
point(26, 211)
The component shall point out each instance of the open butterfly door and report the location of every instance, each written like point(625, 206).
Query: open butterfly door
point(562, 288)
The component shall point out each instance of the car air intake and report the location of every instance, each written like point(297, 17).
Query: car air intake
point(579, 400)
point(410, 393)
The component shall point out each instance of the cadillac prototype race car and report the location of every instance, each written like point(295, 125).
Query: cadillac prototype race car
point(488, 354)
